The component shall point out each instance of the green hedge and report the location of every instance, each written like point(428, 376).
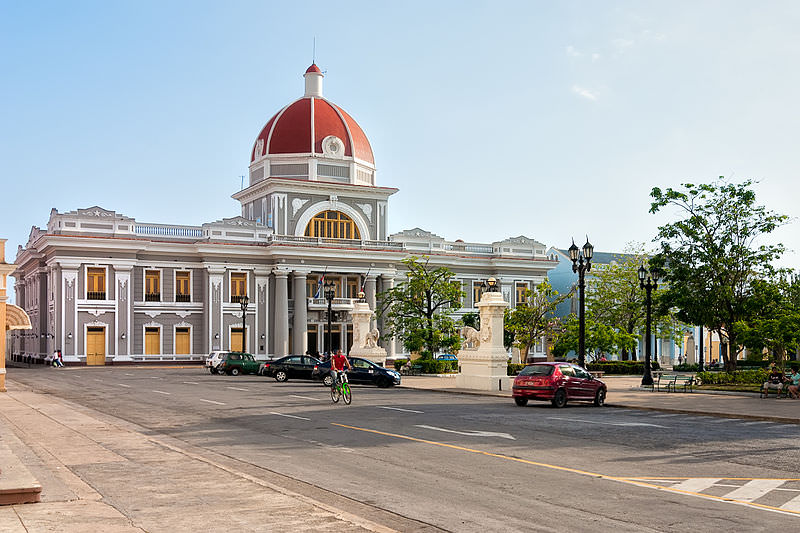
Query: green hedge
point(433, 366)
point(621, 367)
point(740, 377)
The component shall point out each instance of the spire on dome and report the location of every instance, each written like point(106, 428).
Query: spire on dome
point(313, 78)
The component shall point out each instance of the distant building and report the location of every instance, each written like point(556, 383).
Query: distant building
point(104, 287)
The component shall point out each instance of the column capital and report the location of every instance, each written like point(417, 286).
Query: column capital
point(280, 273)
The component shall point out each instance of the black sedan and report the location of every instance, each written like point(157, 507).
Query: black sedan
point(362, 371)
point(289, 367)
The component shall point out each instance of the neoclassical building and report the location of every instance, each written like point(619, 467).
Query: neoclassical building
point(106, 288)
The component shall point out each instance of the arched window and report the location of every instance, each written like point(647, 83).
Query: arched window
point(332, 224)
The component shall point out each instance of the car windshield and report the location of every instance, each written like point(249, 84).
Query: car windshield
point(537, 370)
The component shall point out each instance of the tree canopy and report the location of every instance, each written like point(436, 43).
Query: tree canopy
point(418, 310)
point(600, 339)
point(712, 254)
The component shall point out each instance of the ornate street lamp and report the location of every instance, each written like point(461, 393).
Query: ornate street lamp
point(330, 292)
point(490, 285)
point(581, 263)
point(648, 281)
point(243, 302)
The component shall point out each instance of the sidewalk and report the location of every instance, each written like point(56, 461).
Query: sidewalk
point(82, 461)
point(100, 474)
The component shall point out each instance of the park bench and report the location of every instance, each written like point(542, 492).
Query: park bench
point(666, 381)
point(413, 369)
point(783, 390)
point(683, 381)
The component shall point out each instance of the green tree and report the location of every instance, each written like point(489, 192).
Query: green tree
point(600, 339)
point(710, 256)
point(418, 310)
point(535, 317)
point(774, 321)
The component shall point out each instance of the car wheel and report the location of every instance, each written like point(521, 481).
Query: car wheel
point(600, 398)
point(234, 371)
point(522, 402)
point(212, 370)
point(383, 382)
point(560, 398)
point(280, 376)
point(327, 380)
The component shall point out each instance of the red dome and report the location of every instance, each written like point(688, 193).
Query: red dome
point(313, 68)
point(290, 130)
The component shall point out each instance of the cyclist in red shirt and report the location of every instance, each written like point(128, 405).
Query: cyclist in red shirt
point(338, 363)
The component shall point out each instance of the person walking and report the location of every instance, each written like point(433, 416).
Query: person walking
point(58, 361)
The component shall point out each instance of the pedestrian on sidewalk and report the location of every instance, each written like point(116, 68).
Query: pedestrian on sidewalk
point(58, 362)
point(794, 386)
point(774, 381)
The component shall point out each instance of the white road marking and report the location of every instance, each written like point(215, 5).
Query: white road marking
point(98, 379)
point(190, 382)
point(626, 424)
point(128, 374)
point(123, 385)
point(754, 423)
point(470, 433)
point(161, 392)
point(303, 397)
point(792, 505)
point(155, 377)
point(237, 388)
point(290, 416)
point(211, 401)
point(696, 485)
point(399, 409)
point(752, 490)
point(664, 416)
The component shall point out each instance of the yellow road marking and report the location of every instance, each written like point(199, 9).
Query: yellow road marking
point(641, 482)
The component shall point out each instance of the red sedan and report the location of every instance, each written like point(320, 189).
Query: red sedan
point(559, 383)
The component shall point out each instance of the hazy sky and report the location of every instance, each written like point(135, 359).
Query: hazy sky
point(494, 119)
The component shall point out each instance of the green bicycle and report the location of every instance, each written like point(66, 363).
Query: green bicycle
point(340, 388)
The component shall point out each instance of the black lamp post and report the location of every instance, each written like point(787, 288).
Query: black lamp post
point(330, 292)
point(581, 263)
point(648, 281)
point(490, 285)
point(243, 302)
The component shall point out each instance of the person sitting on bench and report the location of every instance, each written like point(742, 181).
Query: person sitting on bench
point(794, 386)
point(774, 381)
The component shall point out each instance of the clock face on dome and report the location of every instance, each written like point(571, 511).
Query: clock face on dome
point(333, 146)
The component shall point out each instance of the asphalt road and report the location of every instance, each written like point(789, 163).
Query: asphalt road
point(466, 463)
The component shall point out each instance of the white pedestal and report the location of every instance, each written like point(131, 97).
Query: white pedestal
point(364, 344)
point(486, 368)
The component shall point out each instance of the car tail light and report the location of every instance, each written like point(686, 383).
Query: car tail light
point(266, 365)
point(316, 367)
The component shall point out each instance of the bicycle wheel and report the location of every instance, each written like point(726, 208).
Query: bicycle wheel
point(335, 394)
point(348, 397)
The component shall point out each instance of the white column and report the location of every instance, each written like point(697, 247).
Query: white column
point(281, 314)
point(300, 322)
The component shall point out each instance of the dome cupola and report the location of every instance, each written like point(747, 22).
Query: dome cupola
point(313, 139)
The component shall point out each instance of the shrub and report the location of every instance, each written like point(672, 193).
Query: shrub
point(514, 368)
point(740, 377)
point(621, 367)
point(433, 366)
point(685, 367)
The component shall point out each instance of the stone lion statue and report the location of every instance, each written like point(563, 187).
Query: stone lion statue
point(471, 336)
point(371, 340)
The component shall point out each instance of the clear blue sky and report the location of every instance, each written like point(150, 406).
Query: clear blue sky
point(494, 119)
